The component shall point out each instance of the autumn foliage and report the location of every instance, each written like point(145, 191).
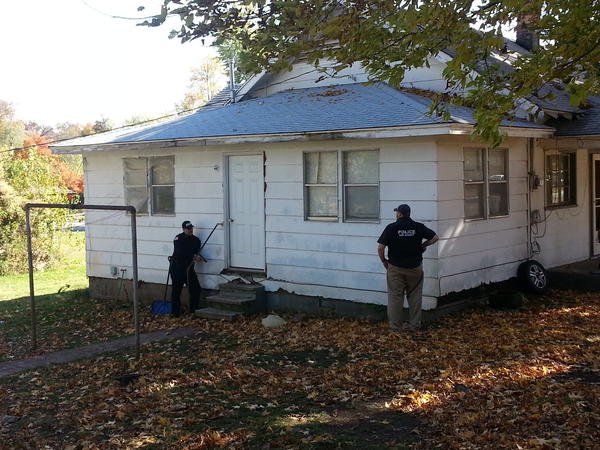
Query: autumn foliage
point(71, 180)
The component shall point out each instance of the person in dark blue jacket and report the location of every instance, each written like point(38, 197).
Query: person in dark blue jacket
point(186, 252)
point(406, 241)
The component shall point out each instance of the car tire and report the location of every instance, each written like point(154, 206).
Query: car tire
point(533, 277)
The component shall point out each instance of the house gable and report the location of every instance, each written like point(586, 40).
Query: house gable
point(304, 75)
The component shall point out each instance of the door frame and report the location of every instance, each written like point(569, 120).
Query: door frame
point(592, 200)
point(227, 212)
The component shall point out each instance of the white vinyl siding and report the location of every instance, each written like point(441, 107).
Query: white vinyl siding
point(472, 252)
point(563, 235)
point(327, 259)
point(335, 258)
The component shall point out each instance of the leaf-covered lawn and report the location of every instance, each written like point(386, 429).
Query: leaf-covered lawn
point(478, 379)
point(66, 320)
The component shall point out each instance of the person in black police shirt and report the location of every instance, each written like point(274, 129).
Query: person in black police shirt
point(404, 240)
point(186, 248)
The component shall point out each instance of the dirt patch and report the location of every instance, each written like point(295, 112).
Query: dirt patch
point(586, 376)
point(378, 425)
point(309, 358)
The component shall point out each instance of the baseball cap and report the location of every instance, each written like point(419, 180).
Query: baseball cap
point(187, 224)
point(403, 209)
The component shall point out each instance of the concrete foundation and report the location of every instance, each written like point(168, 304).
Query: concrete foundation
point(280, 301)
point(579, 276)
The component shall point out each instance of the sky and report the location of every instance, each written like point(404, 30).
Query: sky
point(67, 61)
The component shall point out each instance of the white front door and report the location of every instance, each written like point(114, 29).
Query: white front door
point(596, 204)
point(246, 212)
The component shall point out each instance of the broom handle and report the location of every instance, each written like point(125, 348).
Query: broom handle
point(167, 285)
point(211, 233)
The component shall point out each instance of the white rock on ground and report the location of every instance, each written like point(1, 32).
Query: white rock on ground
point(273, 321)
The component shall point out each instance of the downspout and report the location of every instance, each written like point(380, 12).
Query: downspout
point(530, 175)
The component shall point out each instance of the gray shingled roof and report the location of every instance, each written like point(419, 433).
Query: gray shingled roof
point(319, 109)
point(222, 98)
point(550, 96)
point(585, 124)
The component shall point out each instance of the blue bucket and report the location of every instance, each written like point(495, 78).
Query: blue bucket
point(161, 307)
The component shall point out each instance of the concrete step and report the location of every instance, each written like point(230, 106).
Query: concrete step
point(245, 305)
point(230, 299)
point(241, 287)
point(217, 314)
point(244, 295)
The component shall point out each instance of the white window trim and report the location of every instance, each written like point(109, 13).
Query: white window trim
point(344, 185)
point(572, 183)
point(306, 187)
point(341, 191)
point(486, 184)
point(149, 186)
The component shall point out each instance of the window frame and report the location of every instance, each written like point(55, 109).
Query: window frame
point(477, 183)
point(486, 182)
point(340, 186)
point(344, 185)
point(504, 182)
point(572, 184)
point(149, 184)
point(307, 186)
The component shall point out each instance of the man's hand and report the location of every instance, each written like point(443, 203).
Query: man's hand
point(199, 258)
point(431, 241)
point(381, 253)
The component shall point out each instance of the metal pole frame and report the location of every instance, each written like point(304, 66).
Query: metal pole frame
point(129, 209)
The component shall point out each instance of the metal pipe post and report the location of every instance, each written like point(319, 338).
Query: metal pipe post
point(129, 209)
point(136, 316)
point(31, 287)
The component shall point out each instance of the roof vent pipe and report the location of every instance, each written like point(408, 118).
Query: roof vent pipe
point(231, 81)
point(527, 38)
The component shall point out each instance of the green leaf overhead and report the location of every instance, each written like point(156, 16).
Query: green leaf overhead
point(389, 37)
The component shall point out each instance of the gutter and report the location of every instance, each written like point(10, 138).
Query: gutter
point(365, 133)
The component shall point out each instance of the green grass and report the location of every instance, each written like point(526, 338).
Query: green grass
point(67, 276)
point(50, 281)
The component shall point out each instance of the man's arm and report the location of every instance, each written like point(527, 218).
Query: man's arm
point(431, 241)
point(197, 256)
point(381, 252)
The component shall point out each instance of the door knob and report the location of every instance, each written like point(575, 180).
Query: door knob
point(230, 220)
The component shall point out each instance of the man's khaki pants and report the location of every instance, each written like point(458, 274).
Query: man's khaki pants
point(399, 280)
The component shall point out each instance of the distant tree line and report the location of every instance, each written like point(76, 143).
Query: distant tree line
point(29, 172)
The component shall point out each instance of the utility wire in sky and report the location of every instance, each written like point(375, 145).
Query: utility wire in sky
point(167, 116)
point(112, 15)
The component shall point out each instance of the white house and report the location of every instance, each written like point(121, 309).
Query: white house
point(305, 175)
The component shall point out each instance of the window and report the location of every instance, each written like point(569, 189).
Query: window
point(560, 179)
point(498, 182)
point(361, 185)
point(485, 182)
point(320, 185)
point(359, 188)
point(474, 183)
point(150, 184)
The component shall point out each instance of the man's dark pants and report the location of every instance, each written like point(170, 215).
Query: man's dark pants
point(181, 278)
